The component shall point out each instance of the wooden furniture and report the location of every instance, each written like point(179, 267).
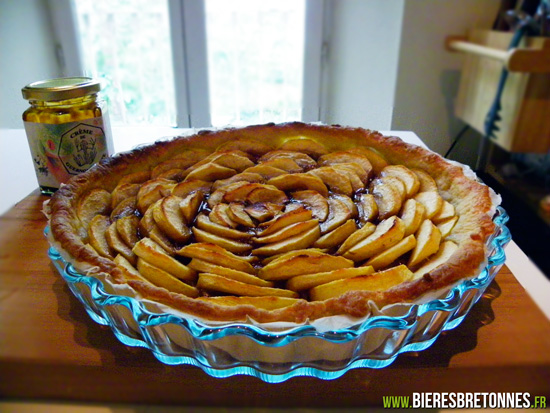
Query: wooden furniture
point(51, 350)
point(525, 124)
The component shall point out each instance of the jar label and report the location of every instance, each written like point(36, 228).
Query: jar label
point(67, 149)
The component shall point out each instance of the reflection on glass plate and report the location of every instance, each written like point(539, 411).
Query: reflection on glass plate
point(275, 356)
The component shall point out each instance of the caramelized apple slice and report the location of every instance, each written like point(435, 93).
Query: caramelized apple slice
point(447, 226)
point(217, 196)
point(211, 172)
point(307, 252)
point(213, 282)
point(286, 164)
point(154, 254)
point(237, 213)
point(302, 240)
point(427, 183)
point(336, 181)
point(411, 181)
point(116, 244)
point(122, 192)
point(428, 238)
point(96, 202)
point(190, 186)
point(202, 266)
point(379, 281)
point(432, 201)
point(287, 232)
point(266, 171)
point(339, 213)
point(299, 181)
point(377, 161)
point(412, 214)
point(304, 145)
point(163, 279)
point(313, 201)
point(243, 176)
point(346, 157)
point(284, 220)
point(219, 215)
point(169, 217)
point(124, 208)
point(356, 236)
point(96, 234)
point(446, 250)
point(446, 212)
point(152, 191)
point(127, 228)
point(263, 212)
point(298, 264)
point(385, 258)
point(388, 233)
point(305, 282)
point(388, 197)
point(267, 194)
point(233, 160)
point(250, 146)
point(216, 255)
point(129, 271)
point(303, 160)
point(232, 245)
point(135, 178)
point(181, 164)
point(337, 236)
point(351, 170)
point(368, 209)
point(190, 205)
point(205, 223)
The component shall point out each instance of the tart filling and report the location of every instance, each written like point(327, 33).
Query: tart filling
point(289, 222)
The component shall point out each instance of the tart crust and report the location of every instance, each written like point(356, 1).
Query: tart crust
point(472, 200)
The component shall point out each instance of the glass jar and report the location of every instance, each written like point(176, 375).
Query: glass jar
point(67, 128)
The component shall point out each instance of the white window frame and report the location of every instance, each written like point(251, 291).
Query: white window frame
point(188, 36)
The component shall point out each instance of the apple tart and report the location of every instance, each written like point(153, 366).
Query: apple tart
point(288, 222)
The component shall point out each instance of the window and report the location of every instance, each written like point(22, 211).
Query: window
point(197, 62)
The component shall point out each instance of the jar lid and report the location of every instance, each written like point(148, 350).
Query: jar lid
point(60, 89)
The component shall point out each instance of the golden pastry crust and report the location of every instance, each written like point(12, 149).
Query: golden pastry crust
point(472, 202)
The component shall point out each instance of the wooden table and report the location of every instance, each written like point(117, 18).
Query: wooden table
point(51, 350)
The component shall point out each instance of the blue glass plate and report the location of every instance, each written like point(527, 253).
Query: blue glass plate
point(275, 356)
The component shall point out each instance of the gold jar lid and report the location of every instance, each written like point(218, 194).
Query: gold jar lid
point(60, 89)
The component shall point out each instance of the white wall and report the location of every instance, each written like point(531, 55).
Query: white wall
point(428, 75)
point(27, 54)
point(363, 52)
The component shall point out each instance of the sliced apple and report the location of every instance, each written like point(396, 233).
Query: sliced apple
point(368, 209)
point(154, 254)
point(217, 196)
point(351, 171)
point(233, 160)
point(161, 239)
point(366, 230)
point(305, 145)
point(446, 250)
point(127, 228)
point(266, 171)
point(346, 157)
point(337, 236)
point(377, 161)
point(412, 214)
point(190, 206)
point(447, 226)
point(237, 213)
point(284, 220)
point(388, 196)
point(122, 192)
point(170, 164)
point(211, 172)
point(428, 238)
point(263, 212)
point(286, 164)
point(96, 202)
point(313, 201)
point(427, 183)
point(299, 181)
point(409, 178)
point(267, 194)
point(135, 178)
point(303, 160)
point(124, 208)
point(213, 282)
point(446, 212)
point(205, 223)
point(202, 266)
point(152, 191)
point(388, 233)
point(169, 217)
point(217, 255)
point(349, 203)
point(117, 244)
point(339, 213)
point(96, 235)
point(432, 201)
point(147, 222)
point(379, 281)
point(308, 252)
point(307, 281)
point(387, 257)
point(302, 240)
point(128, 270)
point(299, 264)
point(243, 176)
point(163, 279)
point(287, 232)
point(190, 186)
point(336, 181)
point(232, 245)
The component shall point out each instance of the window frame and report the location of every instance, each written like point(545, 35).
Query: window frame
point(188, 36)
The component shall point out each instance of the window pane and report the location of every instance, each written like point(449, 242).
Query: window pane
point(126, 44)
point(255, 60)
